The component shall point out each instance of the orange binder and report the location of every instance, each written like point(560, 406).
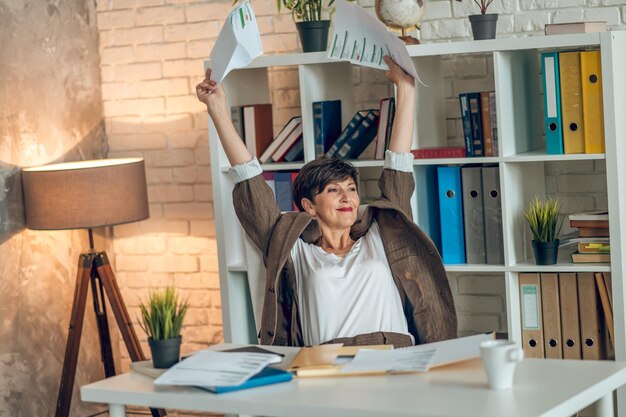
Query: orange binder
point(570, 328)
point(551, 316)
point(532, 323)
point(593, 111)
point(571, 102)
point(607, 305)
point(590, 335)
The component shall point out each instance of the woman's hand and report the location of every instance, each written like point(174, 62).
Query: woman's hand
point(211, 94)
point(397, 75)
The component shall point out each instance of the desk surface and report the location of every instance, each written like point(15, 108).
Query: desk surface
point(542, 388)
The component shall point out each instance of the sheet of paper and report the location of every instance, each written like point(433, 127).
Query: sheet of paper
point(390, 360)
point(363, 40)
point(456, 350)
point(211, 368)
point(238, 43)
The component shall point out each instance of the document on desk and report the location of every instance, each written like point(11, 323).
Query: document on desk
point(238, 43)
point(418, 358)
point(364, 40)
point(211, 368)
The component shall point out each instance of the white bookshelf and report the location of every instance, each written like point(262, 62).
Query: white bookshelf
point(521, 159)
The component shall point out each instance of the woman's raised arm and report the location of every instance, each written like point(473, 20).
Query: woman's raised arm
point(214, 97)
point(402, 132)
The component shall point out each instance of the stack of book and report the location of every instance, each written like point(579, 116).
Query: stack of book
point(480, 127)
point(593, 229)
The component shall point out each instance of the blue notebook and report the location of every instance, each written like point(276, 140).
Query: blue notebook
point(266, 377)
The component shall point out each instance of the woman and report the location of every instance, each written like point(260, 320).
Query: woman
point(330, 277)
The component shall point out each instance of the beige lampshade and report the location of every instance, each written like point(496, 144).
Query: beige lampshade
point(84, 194)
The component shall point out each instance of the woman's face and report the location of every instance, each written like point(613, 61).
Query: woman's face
point(336, 205)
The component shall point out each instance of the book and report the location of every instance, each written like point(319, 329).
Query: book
point(361, 137)
point(578, 257)
point(574, 27)
point(599, 214)
point(485, 114)
point(439, 152)
point(296, 153)
point(294, 136)
point(589, 223)
point(594, 247)
point(346, 133)
point(476, 123)
point(467, 124)
point(291, 125)
point(326, 124)
point(236, 115)
point(494, 121)
point(593, 232)
point(385, 123)
point(257, 127)
point(266, 377)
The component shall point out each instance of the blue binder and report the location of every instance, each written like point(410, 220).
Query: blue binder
point(552, 102)
point(451, 215)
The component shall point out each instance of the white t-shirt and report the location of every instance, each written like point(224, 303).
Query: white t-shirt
point(345, 297)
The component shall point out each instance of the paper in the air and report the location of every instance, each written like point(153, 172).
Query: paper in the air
point(238, 43)
point(364, 40)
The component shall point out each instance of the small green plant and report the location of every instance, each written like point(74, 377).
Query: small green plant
point(544, 219)
point(163, 314)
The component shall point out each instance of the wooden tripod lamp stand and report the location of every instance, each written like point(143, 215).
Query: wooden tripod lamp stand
point(85, 195)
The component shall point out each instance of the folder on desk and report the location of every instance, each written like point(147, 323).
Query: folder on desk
point(571, 102)
point(593, 110)
point(552, 102)
point(451, 215)
point(494, 247)
point(473, 219)
point(590, 335)
point(570, 328)
point(530, 302)
point(551, 316)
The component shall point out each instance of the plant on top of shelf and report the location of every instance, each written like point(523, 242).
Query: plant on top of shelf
point(545, 223)
point(483, 24)
point(162, 319)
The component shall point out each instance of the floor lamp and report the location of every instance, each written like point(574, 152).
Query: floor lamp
point(85, 195)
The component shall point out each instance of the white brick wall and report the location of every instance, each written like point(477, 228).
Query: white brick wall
point(152, 54)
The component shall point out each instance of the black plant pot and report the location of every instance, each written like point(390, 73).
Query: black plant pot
point(165, 353)
point(546, 253)
point(313, 35)
point(484, 25)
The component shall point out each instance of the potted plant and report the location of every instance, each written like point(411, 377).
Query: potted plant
point(545, 224)
point(162, 319)
point(312, 27)
point(483, 24)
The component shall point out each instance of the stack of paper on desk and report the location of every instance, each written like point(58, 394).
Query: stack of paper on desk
point(322, 360)
point(224, 371)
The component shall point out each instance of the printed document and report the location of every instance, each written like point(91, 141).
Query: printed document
point(238, 43)
point(420, 357)
point(364, 40)
point(211, 368)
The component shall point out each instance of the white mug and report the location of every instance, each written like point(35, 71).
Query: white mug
point(499, 359)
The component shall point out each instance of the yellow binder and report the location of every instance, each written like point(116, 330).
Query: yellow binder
point(593, 111)
point(532, 323)
point(571, 102)
point(551, 316)
point(591, 339)
point(570, 328)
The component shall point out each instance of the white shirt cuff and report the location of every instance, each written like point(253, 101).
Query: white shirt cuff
point(245, 171)
point(402, 161)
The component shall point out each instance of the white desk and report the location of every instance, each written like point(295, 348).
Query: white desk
point(542, 388)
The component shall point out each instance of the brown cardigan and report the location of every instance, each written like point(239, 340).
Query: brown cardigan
point(415, 263)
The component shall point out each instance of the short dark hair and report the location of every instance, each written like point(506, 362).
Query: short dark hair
point(317, 174)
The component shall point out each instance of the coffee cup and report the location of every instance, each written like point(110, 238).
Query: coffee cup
point(499, 359)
